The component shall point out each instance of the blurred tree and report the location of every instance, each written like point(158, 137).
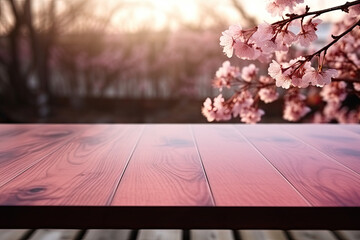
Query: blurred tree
point(249, 20)
point(34, 27)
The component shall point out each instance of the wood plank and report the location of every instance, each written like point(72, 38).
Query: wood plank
point(8, 131)
point(211, 235)
point(354, 128)
point(332, 140)
point(55, 234)
point(238, 174)
point(13, 234)
point(27, 147)
point(107, 234)
point(322, 181)
point(84, 171)
point(159, 235)
point(165, 170)
point(312, 235)
point(349, 235)
point(262, 235)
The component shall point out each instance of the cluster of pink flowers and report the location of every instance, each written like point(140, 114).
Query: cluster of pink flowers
point(262, 41)
point(266, 39)
point(299, 73)
point(277, 7)
point(339, 60)
point(344, 56)
point(334, 95)
point(295, 107)
point(225, 74)
point(244, 103)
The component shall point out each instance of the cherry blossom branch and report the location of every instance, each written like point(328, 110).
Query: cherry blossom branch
point(292, 17)
point(298, 64)
point(336, 38)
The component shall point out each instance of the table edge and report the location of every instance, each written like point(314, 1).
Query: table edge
point(182, 217)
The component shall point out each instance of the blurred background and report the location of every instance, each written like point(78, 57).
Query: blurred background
point(117, 61)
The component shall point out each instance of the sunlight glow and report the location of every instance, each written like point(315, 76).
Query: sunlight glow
point(159, 14)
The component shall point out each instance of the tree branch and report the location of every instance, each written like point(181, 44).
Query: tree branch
point(251, 20)
point(344, 7)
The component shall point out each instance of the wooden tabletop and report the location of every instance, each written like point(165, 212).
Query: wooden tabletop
point(180, 176)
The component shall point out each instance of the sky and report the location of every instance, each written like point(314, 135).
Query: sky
point(160, 13)
point(133, 15)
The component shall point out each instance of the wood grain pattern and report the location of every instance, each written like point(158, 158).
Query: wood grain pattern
point(170, 176)
point(22, 146)
point(322, 181)
point(159, 235)
point(354, 128)
point(211, 235)
point(107, 234)
point(312, 235)
point(333, 141)
point(8, 131)
point(84, 171)
point(238, 174)
point(11, 234)
point(53, 234)
point(263, 235)
point(165, 170)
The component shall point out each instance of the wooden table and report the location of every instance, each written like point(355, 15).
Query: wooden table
point(180, 176)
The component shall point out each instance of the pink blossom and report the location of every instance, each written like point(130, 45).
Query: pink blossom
point(263, 33)
point(263, 37)
point(251, 115)
point(330, 110)
point(222, 112)
point(334, 92)
point(357, 86)
point(236, 32)
point(225, 75)
point(319, 118)
point(227, 70)
point(294, 107)
point(227, 42)
point(246, 51)
point(228, 39)
point(307, 35)
point(319, 79)
point(277, 7)
point(275, 69)
point(207, 110)
point(281, 56)
point(268, 95)
point(276, 72)
point(354, 11)
point(265, 57)
point(293, 111)
point(216, 110)
point(346, 116)
point(298, 75)
point(274, 8)
point(249, 72)
point(285, 38)
point(243, 101)
point(299, 82)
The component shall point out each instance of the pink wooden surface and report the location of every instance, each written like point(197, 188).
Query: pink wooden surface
point(22, 146)
point(179, 165)
point(333, 141)
point(238, 174)
point(320, 179)
point(164, 170)
point(84, 171)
